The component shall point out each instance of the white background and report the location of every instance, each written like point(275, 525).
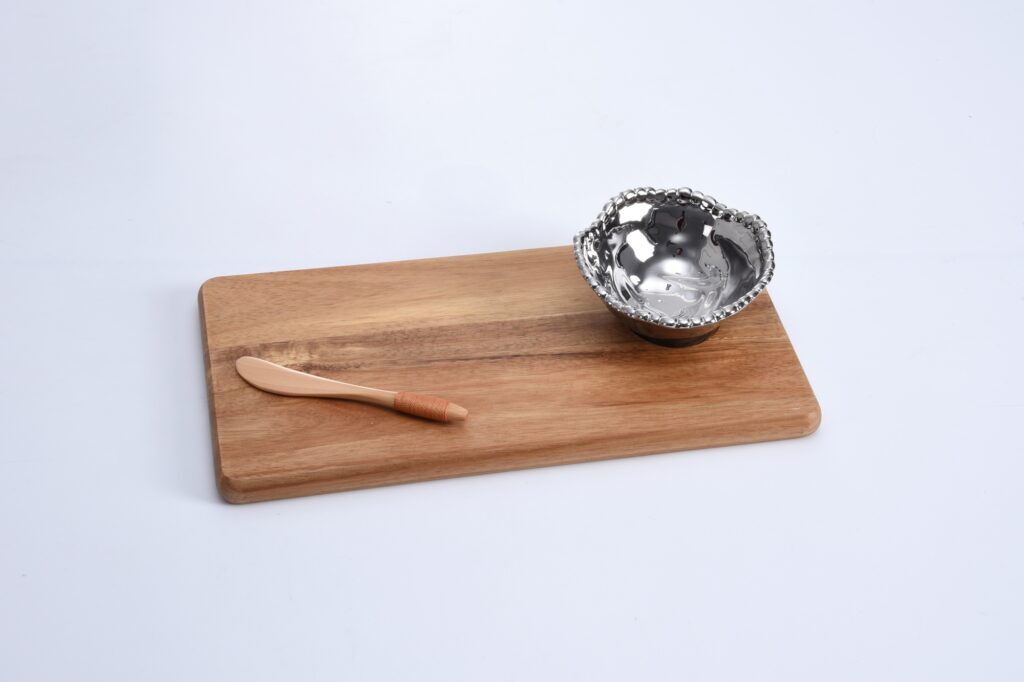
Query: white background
point(145, 147)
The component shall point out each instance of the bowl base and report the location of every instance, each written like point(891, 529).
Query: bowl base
point(677, 343)
point(666, 336)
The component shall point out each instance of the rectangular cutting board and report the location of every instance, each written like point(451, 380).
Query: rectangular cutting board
point(548, 374)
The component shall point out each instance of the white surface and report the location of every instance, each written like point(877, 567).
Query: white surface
point(144, 149)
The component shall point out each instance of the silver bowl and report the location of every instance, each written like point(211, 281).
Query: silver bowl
point(673, 264)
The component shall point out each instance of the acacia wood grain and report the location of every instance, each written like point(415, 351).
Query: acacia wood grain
point(518, 338)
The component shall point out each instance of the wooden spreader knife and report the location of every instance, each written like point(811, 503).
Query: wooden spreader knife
point(275, 378)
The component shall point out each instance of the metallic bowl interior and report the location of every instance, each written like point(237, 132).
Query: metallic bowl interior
point(673, 264)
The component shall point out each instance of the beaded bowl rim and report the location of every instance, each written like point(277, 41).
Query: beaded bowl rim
point(676, 197)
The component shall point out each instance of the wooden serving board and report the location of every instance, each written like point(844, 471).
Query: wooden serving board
point(548, 374)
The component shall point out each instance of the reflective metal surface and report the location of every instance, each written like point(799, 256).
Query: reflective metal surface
point(672, 264)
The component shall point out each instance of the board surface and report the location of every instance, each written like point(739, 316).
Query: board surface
point(548, 374)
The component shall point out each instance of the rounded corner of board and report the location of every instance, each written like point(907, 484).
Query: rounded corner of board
point(812, 420)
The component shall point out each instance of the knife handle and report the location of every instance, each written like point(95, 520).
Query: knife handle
point(429, 407)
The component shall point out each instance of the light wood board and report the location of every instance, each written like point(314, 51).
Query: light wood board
point(548, 374)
